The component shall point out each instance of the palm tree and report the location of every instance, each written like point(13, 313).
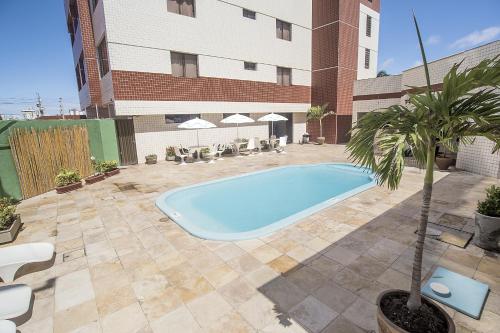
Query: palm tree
point(468, 106)
point(382, 73)
point(319, 113)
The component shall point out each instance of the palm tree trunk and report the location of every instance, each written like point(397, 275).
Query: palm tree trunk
point(414, 302)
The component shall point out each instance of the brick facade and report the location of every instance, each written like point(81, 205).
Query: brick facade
point(165, 87)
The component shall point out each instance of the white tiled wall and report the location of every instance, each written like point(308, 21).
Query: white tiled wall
point(370, 43)
point(477, 158)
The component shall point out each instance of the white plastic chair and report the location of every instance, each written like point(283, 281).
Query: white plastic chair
point(180, 155)
point(15, 300)
point(7, 326)
point(251, 147)
point(221, 149)
point(258, 145)
point(13, 257)
point(282, 145)
point(211, 154)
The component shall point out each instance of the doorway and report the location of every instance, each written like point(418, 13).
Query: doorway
point(282, 128)
point(126, 141)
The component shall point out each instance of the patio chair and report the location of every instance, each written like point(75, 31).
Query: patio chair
point(282, 145)
point(7, 326)
point(180, 155)
point(258, 145)
point(15, 300)
point(211, 154)
point(250, 147)
point(14, 257)
point(220, 150)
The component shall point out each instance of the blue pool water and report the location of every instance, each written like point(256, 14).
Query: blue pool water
point(255, 204)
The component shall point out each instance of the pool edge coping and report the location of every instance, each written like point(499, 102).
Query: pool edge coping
point(268, 229)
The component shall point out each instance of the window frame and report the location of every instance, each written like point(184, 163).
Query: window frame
point(184, 64)
point(100, 60)
point(248, 68)
point(181, 118)
point(253, 14)
point(369, 22)
point(81, 78)
point(279, 78)
point(367, 58)
point(280, 31)
point(178, 12)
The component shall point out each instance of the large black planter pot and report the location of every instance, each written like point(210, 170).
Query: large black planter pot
point(387, 326)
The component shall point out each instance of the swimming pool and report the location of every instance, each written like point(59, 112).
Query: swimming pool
point(256, 204)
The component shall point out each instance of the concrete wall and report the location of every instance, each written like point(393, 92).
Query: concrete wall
point(477, 158)
point(102, 142)
point(366, 42)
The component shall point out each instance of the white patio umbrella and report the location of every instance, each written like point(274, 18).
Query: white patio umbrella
point(237, 119)
point(272, 117)
point(196, 124)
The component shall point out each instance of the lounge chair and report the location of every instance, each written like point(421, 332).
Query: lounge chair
point(6, 326)
point(220, 150)
point(282, 145)
point(15, 300)
point(250, 147)
point(13, 257)
point(180, 155)
point(258, 145)
point(211, 154)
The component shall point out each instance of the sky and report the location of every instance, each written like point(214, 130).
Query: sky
point(35, 53)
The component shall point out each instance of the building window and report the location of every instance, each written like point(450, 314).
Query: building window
point(367, 58)
point(368, 26)
point(94, 3)
point(182, 7)
point(179, 118)
point(284, 76)
point(250, 66)
point(81, 79)
point(102, 56)
point(225, 115)
point(283, 30)
point(184, 65)
point(73, 20)
point(248, 14)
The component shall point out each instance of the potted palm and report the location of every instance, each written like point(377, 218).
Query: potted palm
point(467, 106)
point(151, 159)
point(443, 162)
point(98, 175)
point(170, 155)
point(487, 232)
point(10, 222)
point(319, 113)
point(109, 168)
point(67, 181)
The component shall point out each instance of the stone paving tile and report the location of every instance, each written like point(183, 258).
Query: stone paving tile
point(121, 265)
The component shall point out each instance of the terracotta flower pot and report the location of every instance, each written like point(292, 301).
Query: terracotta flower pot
point(68, 188)
point(385, 325)
point(94, 179)
point(112, 172)
point(8, 235)
point(443, 163)
point(320, 140)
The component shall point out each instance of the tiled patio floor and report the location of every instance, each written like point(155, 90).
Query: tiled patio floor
point(122, 266)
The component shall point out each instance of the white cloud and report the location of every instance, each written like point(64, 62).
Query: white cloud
point(433, 40)
point(476, 37)
point(387, 63)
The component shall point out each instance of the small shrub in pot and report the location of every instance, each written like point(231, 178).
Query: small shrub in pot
point(109, 168)
point(151, 159)
point(487, 232)
point(9, 220)
point(170, 154)
point(98, 174)
point(68, 180)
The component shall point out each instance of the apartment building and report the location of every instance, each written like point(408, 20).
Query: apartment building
point(153, 64)
point(378, 93)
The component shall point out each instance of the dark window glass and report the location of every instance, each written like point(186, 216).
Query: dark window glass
point(225, 115)
point(102, 55)
point(182, 7)
point(283, 30)
point(73, 20)
point(368, 26)
point(250, 66)
point(367, 58)
point(248, 14)
point(179, 118)
point(284, 76)
point(81, 79)
point(184, 65)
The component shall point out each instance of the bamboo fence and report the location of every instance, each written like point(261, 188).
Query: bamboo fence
point(40, 155)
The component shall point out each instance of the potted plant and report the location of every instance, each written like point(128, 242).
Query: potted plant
point(109, 168)
point(430, 117)
point(98, 175)
point(204, 152)
point(151, 159)
point(487, 232)
point(442, 161)
point(68, 180)
point(170, 155)
point(319, 113)
point(10, 222)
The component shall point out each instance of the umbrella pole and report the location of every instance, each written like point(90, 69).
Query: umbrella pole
point(198, 137)
point(237, 131)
